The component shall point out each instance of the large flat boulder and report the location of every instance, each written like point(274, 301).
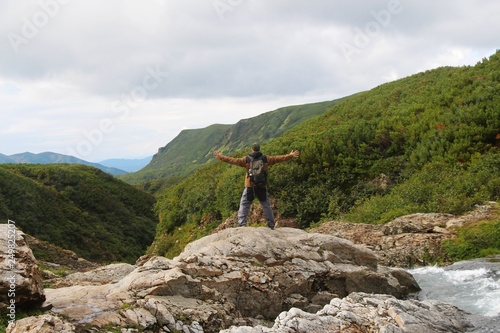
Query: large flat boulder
point(237, 276)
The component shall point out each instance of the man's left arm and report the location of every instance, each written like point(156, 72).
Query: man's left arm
point(282, 158)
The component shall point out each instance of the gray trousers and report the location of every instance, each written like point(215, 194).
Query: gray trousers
point(247, 198)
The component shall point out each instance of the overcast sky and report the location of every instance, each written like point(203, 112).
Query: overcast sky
point(101, 79)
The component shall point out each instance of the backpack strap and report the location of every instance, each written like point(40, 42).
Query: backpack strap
point(248, 161)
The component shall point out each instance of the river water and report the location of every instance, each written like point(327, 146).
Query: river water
point(472, 285)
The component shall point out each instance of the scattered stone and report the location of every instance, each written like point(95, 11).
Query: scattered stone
point(46, 323)
point(360, 312)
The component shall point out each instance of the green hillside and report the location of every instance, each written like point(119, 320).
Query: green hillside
point(426, 143)
point(193, 148)
point(79, 208)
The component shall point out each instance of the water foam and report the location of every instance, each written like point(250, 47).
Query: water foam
point(474, 288)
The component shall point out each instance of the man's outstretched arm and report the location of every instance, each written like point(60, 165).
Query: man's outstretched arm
point(231, 160)
point(282, 158)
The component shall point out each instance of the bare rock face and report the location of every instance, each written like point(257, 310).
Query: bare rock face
point(238, 276)
point(102, 275)
point(20, 277)
point(288, 261)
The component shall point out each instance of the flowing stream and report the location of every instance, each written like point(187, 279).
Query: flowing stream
point(472, 285)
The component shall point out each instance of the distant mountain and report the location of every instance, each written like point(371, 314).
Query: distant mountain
point(194, 147)
point(129, 165)
point(6, 159)
point(55, 158)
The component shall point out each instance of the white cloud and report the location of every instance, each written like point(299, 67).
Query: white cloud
point(65, 66)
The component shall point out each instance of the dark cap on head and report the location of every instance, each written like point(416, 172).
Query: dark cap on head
point(256, 147)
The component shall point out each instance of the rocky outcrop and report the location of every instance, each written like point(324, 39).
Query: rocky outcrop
point(408, 241)
point(249, 280)
point(246, 280)
point(239, 276)
point(20, 277)
point(361, 312)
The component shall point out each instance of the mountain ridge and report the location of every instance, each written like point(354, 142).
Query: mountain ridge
point(6, 159)
point(126, 164)
point(192, 148)
point(55, 158)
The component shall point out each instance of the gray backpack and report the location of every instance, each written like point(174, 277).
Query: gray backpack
point(256, 172)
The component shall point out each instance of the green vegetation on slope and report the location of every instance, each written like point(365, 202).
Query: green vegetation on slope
point(475, 240)
point(433, 137)
point(193, 148)
point(426, 143)
point(79, 208)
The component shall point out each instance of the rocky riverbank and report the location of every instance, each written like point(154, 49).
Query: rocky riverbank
point(409, 241)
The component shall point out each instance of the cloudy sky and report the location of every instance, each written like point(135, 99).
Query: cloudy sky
point(101, 79)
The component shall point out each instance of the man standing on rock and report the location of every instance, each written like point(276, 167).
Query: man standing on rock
point(253, 190)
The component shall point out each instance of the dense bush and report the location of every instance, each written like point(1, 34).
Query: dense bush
point(439, 187)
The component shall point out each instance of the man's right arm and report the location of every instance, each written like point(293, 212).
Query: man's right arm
point(231, 160)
